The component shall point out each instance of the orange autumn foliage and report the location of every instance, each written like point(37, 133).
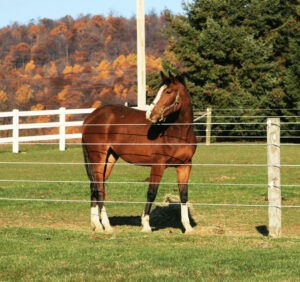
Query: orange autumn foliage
point(83, 62)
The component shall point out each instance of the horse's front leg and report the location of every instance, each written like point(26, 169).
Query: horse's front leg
point(155, 177)
point(183, 174)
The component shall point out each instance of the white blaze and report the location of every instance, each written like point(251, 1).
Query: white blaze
point(157, 98)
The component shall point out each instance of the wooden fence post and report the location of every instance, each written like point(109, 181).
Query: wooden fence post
point(62, 129)
point(15, 131)
point(274, 190)
point(208, 126)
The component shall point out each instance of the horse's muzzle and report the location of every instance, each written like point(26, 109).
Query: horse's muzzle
point(154, 118)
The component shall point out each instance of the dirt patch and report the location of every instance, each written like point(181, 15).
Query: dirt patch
point(221, 178)
point(213, 230)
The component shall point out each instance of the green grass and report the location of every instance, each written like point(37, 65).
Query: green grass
point(52, 241)
point(62, 255)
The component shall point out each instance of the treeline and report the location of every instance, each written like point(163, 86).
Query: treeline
point(240, 57)
point(74, 63)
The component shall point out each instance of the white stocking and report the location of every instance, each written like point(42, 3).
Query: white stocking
point(105, 220)
point(185, 218)
point(95, 220)
point(146, 223)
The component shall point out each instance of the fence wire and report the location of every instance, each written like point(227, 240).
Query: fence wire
point(143, 203)
point(238, 131)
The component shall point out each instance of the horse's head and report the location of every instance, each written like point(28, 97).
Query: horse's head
point(167, 99)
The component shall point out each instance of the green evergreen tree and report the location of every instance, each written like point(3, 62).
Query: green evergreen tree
point(239, 54)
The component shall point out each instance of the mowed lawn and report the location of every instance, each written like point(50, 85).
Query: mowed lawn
point(47, 236)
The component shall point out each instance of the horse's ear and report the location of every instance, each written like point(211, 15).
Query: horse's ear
point(163, 76)
point(171, 76)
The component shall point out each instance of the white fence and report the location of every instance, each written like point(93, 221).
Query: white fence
point(61, 123)
point(15, 126)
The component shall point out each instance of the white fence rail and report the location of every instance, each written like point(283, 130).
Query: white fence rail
point(15, 126)
point(15, 139)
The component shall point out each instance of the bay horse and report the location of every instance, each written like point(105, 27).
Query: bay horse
point(161, 137)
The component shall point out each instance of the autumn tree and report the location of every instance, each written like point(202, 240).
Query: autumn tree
point(30, 66)
point(20, 54)
point(3, 100)
point(24, 96)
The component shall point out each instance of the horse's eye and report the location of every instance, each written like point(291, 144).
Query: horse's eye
point(169, 91)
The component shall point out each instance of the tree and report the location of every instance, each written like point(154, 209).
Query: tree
point(20, 54)
point(3, 100)
point(234, 53)
point(53, 70)
point(39, 119)
point(24, 95)
point(30, 66)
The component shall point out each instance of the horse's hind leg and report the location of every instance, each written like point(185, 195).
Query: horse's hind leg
point(89, 158)
point(111, 158)
point(95, 219)
point(97, 189)
point(97, 166)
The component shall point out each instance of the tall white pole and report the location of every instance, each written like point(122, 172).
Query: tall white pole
point(141, 55)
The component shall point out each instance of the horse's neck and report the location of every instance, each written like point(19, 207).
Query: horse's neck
point(186, 117)
point(186, 112)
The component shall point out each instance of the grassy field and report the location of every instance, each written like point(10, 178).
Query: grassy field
point(52, 240)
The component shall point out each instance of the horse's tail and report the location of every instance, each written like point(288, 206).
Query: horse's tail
point(87, 162)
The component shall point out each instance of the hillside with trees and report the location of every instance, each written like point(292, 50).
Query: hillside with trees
point(75, 63)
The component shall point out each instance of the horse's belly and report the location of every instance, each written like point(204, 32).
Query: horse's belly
point(156, 154)
point(135, 154)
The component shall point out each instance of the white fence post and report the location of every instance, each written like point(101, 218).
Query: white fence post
point(208, 125)
point(15, 131)
point(62, 129)
point(274, 190)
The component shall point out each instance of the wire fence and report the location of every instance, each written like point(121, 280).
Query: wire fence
point(142, 203)
point(49, 164)
point(259, 142)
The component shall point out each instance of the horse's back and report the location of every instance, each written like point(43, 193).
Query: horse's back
point(114, 114)
point(115, 123)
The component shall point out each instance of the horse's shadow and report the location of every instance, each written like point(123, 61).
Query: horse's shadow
point(161, 217)
point(263, 230)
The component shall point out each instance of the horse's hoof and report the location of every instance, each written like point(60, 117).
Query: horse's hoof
point(189, 230)
point(108, 229)
point(147, 229)
point(97, 228)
